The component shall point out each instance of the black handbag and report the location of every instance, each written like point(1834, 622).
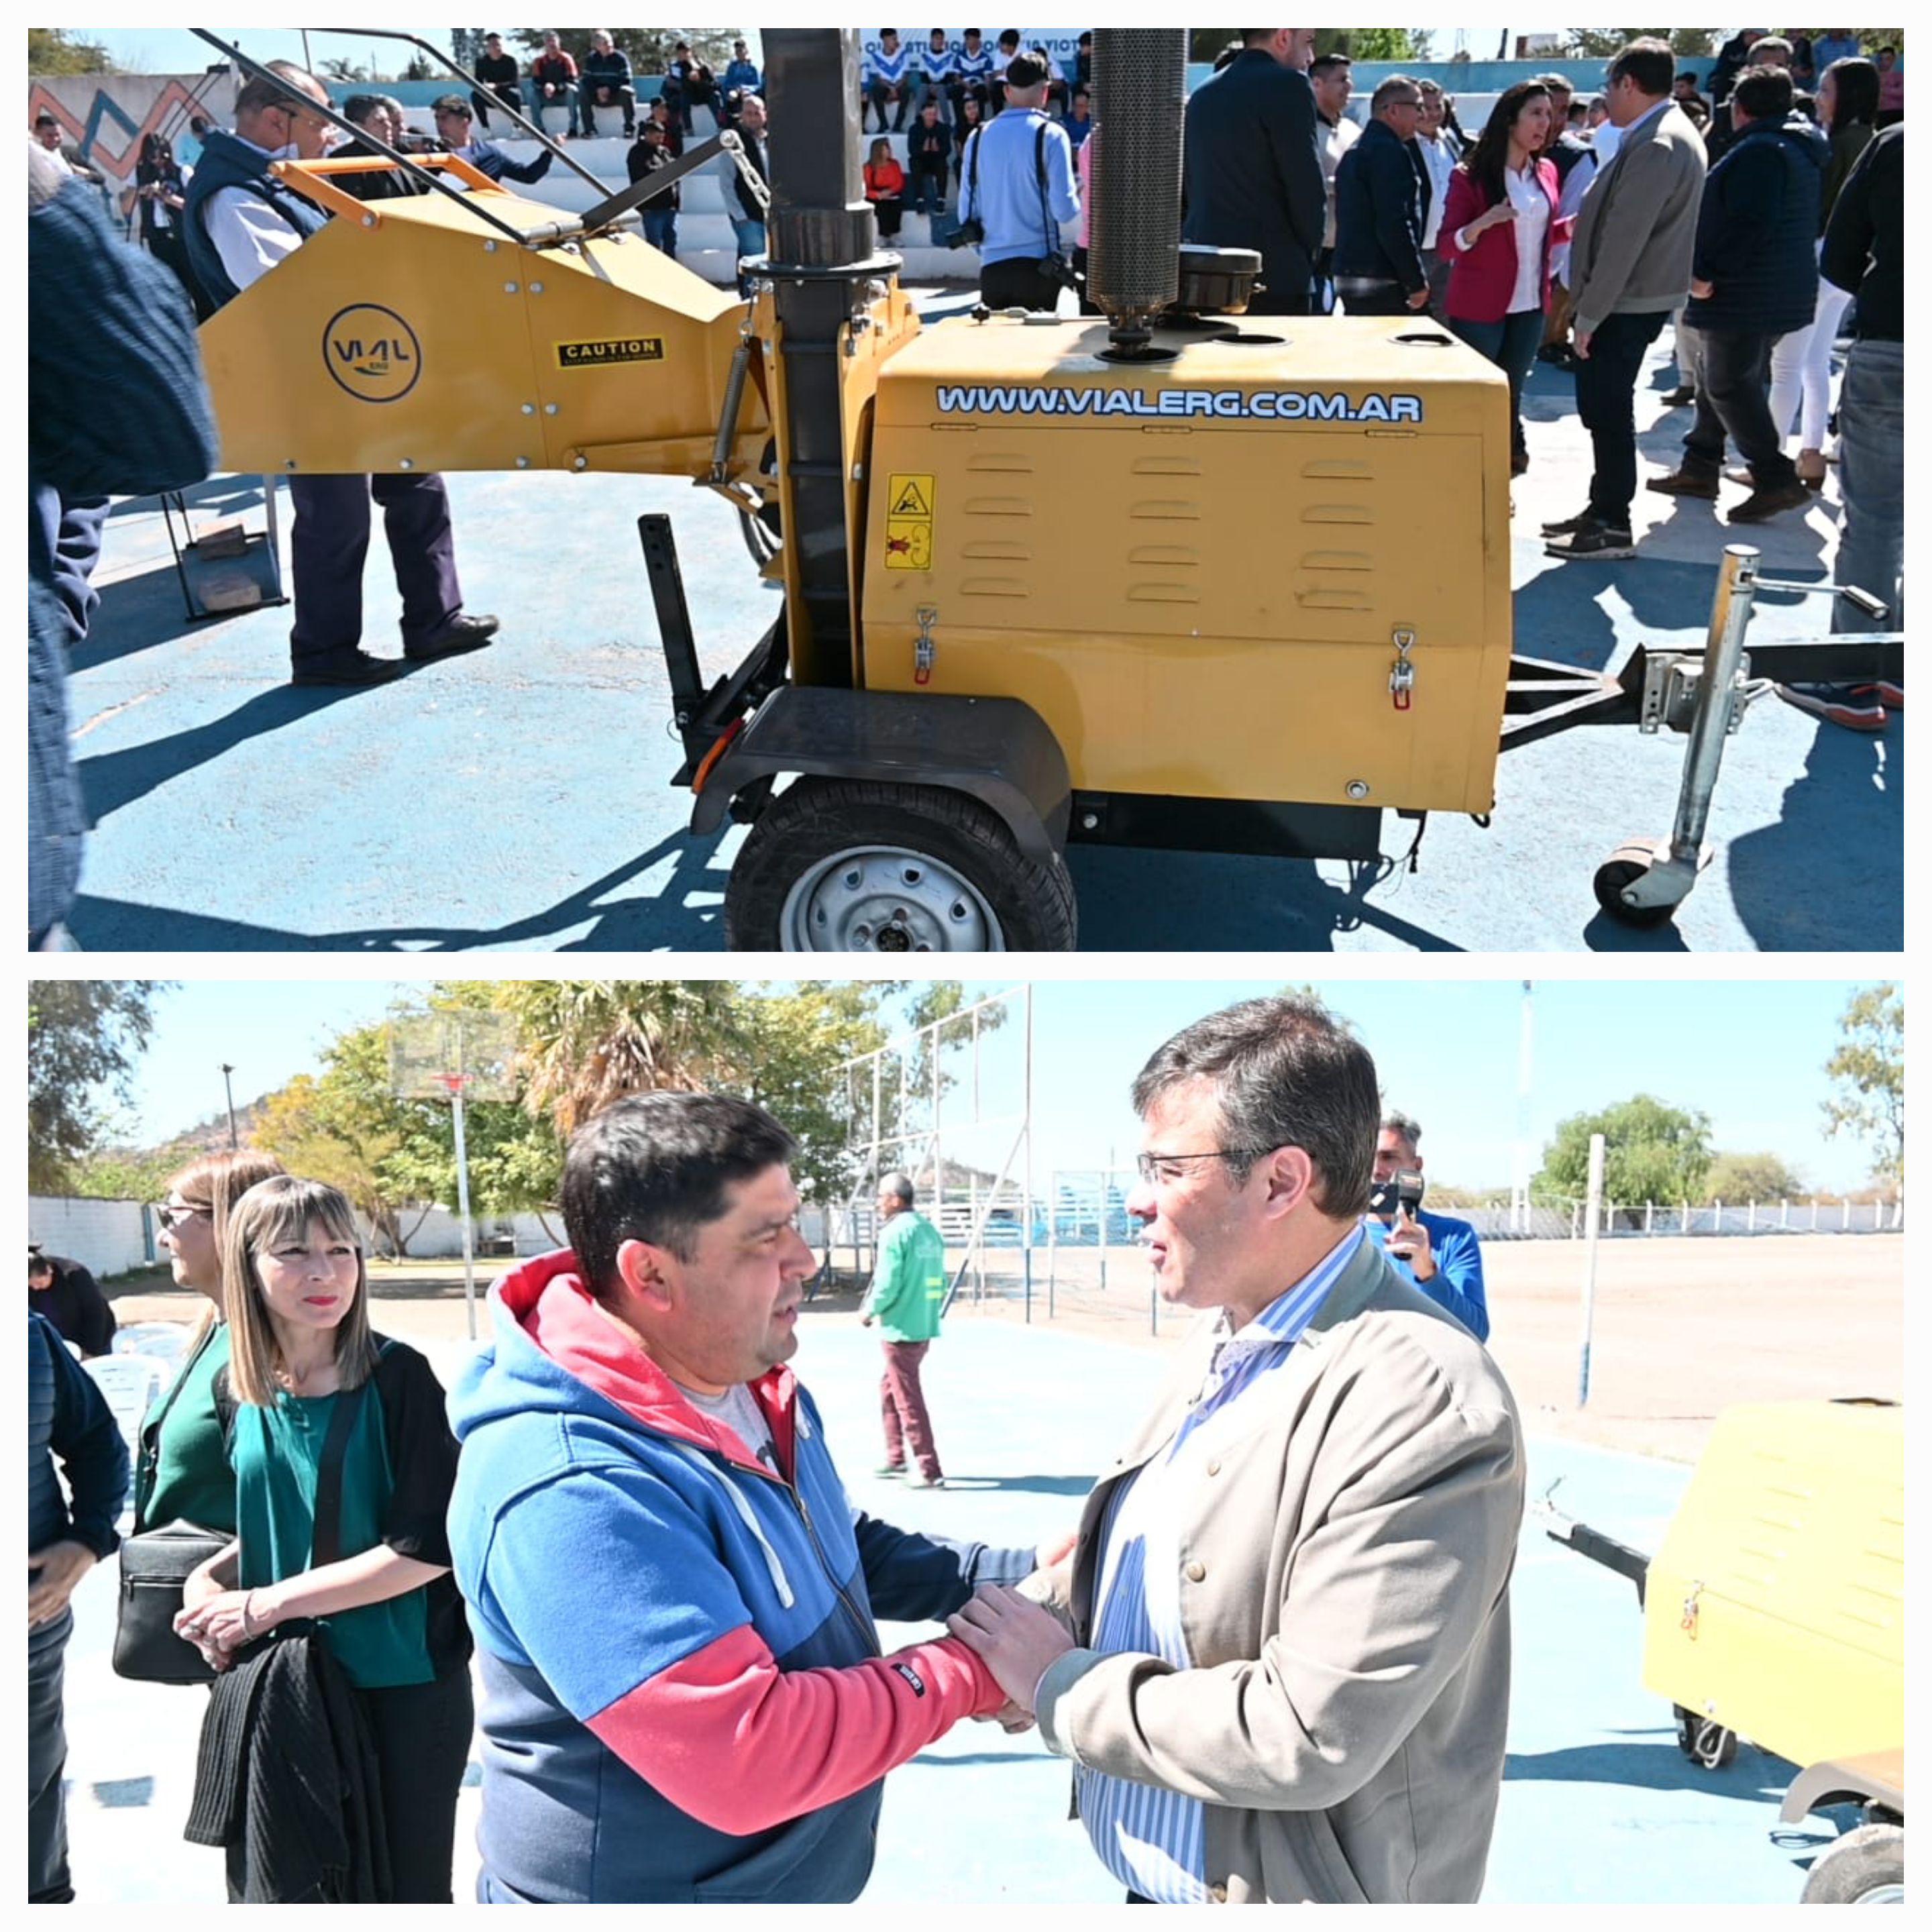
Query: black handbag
point(154, 1566)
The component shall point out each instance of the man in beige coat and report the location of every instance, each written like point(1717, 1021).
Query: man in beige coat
point(1630, 266)
point(1280, 1656)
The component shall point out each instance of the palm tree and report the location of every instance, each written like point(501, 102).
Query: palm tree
point(590, 1042)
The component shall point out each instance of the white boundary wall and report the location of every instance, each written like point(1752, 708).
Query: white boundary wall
point(105, 1237)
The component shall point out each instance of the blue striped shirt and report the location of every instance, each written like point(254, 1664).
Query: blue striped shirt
point(1153, 1839)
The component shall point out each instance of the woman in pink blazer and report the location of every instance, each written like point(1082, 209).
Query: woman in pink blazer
point(1499, 220)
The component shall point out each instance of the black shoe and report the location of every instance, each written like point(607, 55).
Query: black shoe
point(1680, 398)
point(462, 633)
point(1519, 462)
point(351, 667)
point(1569, 526)
point(1559, 353)
point(1599, 542)
point(1700, 484)
point(1768, 500)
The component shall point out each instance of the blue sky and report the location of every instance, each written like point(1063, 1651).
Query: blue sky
point(1750, 1053)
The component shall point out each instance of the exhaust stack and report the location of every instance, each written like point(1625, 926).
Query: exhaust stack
point(1133, 266)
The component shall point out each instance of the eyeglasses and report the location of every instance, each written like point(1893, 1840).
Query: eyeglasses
point(171, 1218)
point(1156, 1167)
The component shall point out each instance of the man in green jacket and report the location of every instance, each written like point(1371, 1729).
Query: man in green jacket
point(907, 1289)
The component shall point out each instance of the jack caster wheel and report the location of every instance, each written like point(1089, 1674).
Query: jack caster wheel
point(1622, 869)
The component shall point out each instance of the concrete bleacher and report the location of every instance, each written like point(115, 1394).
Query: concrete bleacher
point(706, 243)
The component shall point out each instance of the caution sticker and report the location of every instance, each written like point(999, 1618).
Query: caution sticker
point(909, 506)
point(600, 354)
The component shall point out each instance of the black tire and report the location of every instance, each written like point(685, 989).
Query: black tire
point(1030, 907)
point(1609, 882)
point(1850, 1870)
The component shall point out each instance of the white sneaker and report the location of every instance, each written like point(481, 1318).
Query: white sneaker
point(918, 1481)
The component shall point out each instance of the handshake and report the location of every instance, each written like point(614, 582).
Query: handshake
point(1016, 1640)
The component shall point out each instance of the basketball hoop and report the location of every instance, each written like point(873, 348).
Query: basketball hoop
point(465, 1054)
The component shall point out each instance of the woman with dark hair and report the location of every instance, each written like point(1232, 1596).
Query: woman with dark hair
point(160, 192)
point(1800, 363)
point(971, 113)
point(1498, 227)
point(344, 1465)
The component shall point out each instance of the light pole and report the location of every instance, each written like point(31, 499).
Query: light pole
point(227, 1081)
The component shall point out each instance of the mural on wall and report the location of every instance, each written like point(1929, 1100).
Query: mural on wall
point(105, 116)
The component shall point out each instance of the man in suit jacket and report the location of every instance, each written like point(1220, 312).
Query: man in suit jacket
point(1281, 1661)
point(1630, 266)
point(1252, 174)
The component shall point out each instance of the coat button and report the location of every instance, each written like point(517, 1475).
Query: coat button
point(1194, 1572)
point(1217, 1895)
point(1214, 1467)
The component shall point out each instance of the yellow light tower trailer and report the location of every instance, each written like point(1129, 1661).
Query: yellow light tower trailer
point(1774, 1609)
point(1172, 576)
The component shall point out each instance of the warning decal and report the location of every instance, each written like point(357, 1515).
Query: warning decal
point(909, 522)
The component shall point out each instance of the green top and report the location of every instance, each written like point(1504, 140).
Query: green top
point(276, 1452)
point(909, 1285)
point(182, 1475)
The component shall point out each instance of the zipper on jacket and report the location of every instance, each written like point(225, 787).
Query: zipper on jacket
point(861, 1622)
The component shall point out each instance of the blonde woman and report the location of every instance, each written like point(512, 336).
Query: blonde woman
point(323, 1407)
point(182, 1474)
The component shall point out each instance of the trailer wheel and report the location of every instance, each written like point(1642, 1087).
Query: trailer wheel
point(1866, 1867)
point(1623, 868)
point(1704, 1741)
point(853, 865)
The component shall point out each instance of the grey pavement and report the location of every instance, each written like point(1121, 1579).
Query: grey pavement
point(518, 798)
point(1597, 1804)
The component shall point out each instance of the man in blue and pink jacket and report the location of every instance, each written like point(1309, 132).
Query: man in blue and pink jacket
point(683, 1694)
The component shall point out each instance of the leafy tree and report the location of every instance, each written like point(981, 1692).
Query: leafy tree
point(82, 1035)
point(1600, 43)
point(650, 48)
point(1652, 1152)
point(1362, 43)
point(129, 1174)
point(1752, 1177)
point(797, 1040)
point(1869, 1068)
point(56, 50)
point(587, 1042)
point(346, 71)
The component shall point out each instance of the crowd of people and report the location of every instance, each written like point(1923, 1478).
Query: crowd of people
point(703, 1709)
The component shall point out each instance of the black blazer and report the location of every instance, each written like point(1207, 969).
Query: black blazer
point(1252, 178)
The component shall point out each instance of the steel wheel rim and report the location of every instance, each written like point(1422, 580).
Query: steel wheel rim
point(886, 898)
point(1882, 1894)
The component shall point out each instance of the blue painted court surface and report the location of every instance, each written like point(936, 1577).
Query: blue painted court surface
point(1597, 1803)
point(519, 798)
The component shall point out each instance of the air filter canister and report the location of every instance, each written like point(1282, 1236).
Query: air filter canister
point(1140, 91)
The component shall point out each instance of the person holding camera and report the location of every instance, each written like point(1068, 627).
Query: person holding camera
point(1439, 1253)
point(1017, 187)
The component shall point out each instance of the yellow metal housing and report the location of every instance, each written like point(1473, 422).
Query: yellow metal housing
point(409, 334)
point(1203, 572)
point(1777, 1603)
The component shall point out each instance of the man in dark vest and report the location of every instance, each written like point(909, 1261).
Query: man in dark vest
point(240, 221)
